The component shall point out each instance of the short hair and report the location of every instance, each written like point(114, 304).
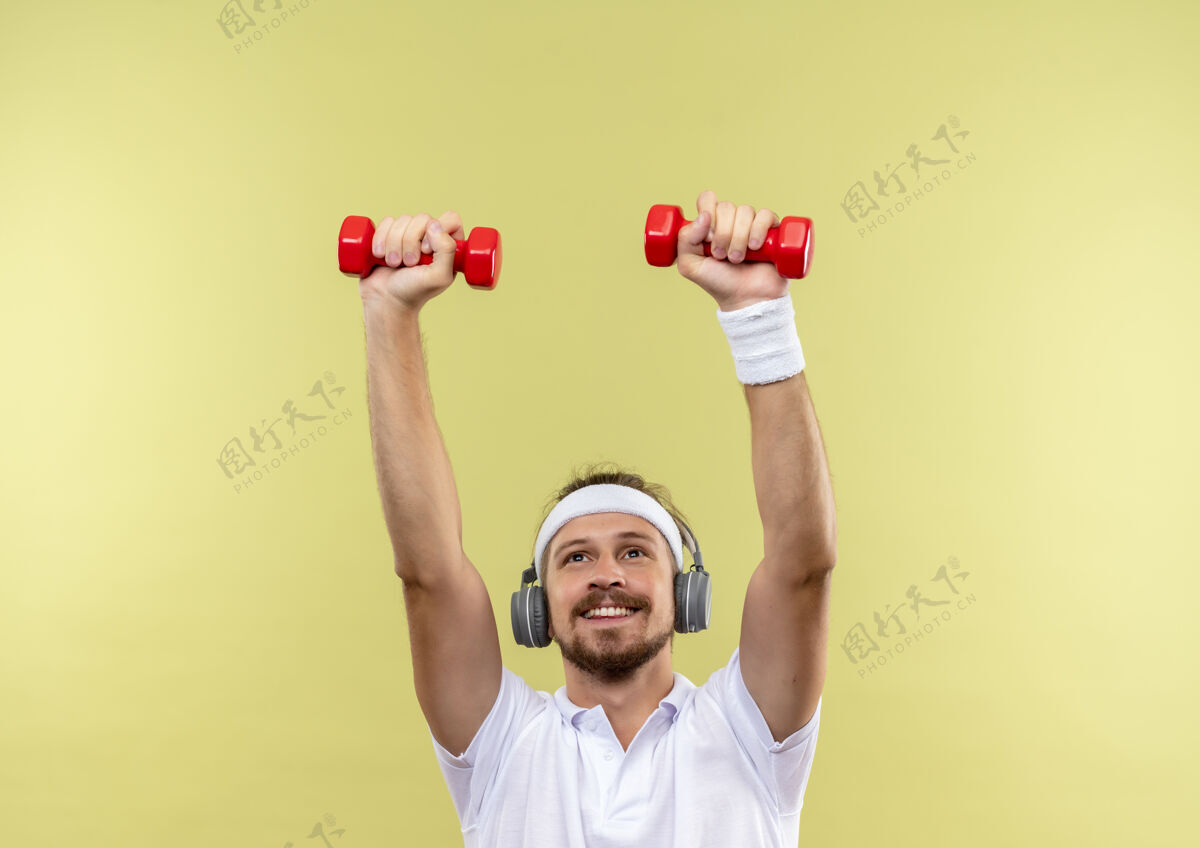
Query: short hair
point(607, 472)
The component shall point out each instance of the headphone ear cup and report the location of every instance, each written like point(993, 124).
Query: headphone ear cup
point(693, 601)
point(530, 621)
point(540, 616)
point(518, 617)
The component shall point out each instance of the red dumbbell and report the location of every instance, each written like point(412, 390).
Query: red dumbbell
point(789, 245)
point(478, 258)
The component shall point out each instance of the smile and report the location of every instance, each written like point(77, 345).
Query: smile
point(609, 613)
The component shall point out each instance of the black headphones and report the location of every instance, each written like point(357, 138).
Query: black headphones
point(693, 601)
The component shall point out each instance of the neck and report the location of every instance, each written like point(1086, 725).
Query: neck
point(629, 702)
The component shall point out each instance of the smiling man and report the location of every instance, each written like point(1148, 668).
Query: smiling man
point(613, 593)
point(627, 751)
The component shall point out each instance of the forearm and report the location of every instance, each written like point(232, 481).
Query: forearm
point(416, 482)
point(791, 475)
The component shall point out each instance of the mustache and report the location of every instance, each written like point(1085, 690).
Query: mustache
point(612, 598)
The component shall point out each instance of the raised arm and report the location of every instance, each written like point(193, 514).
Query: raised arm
point(785, 623)
point(452, 629)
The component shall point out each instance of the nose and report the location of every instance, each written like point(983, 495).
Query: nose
point(608, 572)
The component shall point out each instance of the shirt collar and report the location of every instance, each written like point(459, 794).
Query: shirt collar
point(670, 705)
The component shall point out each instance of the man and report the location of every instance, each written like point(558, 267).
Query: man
point(627, 752)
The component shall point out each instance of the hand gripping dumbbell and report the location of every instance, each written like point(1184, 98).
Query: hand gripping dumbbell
point(789, 245)
point(478, 258)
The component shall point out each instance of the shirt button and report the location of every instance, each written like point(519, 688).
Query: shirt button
point(608, 755)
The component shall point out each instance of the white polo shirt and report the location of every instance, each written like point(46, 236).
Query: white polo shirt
point(703, 770)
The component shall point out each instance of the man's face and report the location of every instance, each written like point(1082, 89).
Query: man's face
point(605, 570)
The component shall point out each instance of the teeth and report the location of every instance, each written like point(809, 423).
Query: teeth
point(607, 612)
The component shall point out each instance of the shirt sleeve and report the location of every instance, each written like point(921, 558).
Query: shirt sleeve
point(470, 775)
point(784, 766)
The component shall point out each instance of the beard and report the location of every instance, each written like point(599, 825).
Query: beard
point(610, 661)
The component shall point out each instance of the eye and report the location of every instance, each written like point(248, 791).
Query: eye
point(580, 553)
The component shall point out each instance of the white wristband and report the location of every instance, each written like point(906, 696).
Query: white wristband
point(764, 341)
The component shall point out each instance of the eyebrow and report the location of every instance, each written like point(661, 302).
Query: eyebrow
point(627, 534)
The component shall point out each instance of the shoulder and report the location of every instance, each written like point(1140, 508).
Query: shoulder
point(517, 705)
point(499, 748)
point(725, 692)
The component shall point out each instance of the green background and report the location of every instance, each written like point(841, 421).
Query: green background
point(1004, 373)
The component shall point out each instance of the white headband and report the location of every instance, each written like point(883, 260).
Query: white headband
point(608, 497)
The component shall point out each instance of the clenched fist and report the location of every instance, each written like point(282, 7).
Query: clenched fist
point(730, 229)
point(401, 241)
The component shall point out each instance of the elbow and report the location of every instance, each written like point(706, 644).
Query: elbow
point(406, 571)
point(817, 563)
point(811, 552)
point(825, 553)
point(827, 547)
point(817, 569)
point(820, 563)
